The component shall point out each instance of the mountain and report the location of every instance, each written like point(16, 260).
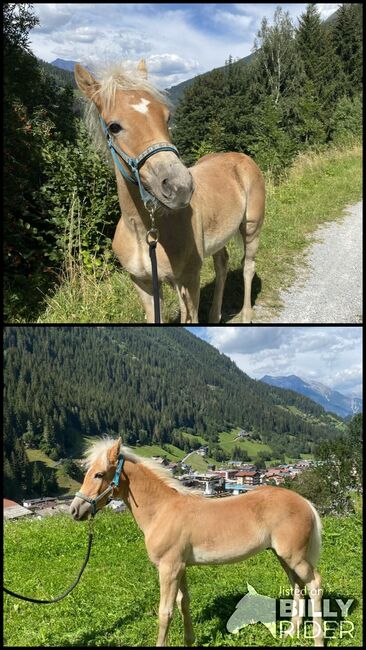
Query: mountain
point(146, 383)
point(175, 92)
point(62, 76)
point(153, 386)
point(64, 64)
point(331, 400)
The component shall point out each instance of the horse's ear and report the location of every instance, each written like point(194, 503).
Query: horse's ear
point(86, 82)
point(142, 69)
point(114, 451)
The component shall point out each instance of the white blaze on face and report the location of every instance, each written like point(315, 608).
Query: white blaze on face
point(142, 107)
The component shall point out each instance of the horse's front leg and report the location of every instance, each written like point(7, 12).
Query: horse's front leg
point(188, 289)
point(183, 606)
point(145, 290)
point(221, 260)
point(170, 574)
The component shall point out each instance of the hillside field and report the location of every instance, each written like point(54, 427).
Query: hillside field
point(117, 600)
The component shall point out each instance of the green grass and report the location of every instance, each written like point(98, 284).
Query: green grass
point(117, 600)
point(200, 464)
point(171, 452)
point(227, 442)
point(316, 190)
point(66, 484)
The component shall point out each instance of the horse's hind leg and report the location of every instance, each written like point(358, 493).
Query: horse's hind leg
point(220, 259)
point(297, 593)
point(250, 230)
point(306, 574)
point(311, 577)
point(183, 606)
point(250, 249)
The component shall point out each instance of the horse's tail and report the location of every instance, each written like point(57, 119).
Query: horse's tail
point(315, 542)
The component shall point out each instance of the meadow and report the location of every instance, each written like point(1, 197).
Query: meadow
point(316, 189)
point(116, 602)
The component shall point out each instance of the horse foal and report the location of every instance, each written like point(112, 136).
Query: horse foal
point(182, 529)
point(199, 209)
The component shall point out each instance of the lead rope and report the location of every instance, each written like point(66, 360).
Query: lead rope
point(152, 238)
point(55, 600)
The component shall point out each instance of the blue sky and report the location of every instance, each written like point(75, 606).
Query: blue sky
point(178, 40)
point(330, 355)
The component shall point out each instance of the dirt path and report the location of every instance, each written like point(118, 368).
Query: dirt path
point(329, 287)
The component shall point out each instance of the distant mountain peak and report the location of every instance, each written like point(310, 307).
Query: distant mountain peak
point(64, 64)
point(331, 400)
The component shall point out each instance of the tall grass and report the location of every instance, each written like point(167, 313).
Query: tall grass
point(315, 190)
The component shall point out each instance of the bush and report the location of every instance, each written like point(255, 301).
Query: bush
point(346, 122)
point(77, 198)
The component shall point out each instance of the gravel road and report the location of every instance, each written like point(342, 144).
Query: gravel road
point(329, 288)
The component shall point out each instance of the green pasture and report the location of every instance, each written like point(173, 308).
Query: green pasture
point(117, 600)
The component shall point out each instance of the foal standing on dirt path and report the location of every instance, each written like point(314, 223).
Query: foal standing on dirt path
point(182, 529)
point(199, 209)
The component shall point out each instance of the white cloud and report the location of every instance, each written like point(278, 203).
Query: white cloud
point(170, 64)
point(200, 36)
point(52, 16)
point(331, 355)
point(235, 22)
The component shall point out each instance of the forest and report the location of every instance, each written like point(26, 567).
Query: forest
point(300, 91)
point(148, 385)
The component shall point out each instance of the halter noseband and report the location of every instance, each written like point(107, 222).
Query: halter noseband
point(113, 484)
point(135, 163)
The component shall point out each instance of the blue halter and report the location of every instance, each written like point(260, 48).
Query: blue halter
point(136, 163)
point(113, 484)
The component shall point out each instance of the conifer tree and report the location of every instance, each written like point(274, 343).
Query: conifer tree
point(347, 40)
point(323, 71)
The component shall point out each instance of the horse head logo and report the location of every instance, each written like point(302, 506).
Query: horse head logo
point(253, 608)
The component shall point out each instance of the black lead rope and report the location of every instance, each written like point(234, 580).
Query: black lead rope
point(155, 281)
point(55, 600)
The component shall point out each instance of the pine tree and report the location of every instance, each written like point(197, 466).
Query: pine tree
point(28, 435)
point(197, 107)
point(347, 40)
point(325, 78)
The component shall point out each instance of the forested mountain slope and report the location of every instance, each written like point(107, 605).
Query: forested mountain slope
point(64, 382)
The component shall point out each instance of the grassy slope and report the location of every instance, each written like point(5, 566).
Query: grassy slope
point(227, 442)
point(196, 461)
point(116, 602)
point(67, 485)
point(316, 190)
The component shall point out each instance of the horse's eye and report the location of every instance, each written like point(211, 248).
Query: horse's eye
point(99, 475)
point(115, 128)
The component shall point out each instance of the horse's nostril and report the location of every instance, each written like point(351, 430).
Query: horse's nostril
point(166, 188)
point(74, 512)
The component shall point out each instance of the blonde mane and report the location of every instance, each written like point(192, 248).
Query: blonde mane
point(112, 77)
point(98, 450)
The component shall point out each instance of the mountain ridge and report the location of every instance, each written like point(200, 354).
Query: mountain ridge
point(331, 400)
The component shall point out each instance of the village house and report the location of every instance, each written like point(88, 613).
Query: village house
point(44, 502)
point(159, 459)
point(243, 434)
point(117, 506)
point(13, 510)
point(226, 473)
point(248, 477)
